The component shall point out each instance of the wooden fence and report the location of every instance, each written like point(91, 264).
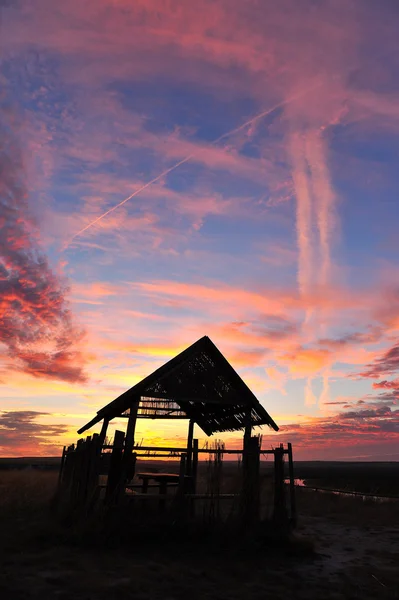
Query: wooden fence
point(92, 473)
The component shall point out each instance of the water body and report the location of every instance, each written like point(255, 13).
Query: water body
point(364, 497)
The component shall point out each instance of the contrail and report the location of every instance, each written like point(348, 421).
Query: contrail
point(143, 187)
point(189, 157)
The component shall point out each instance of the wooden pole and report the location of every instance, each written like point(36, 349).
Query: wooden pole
point(190, 447)
point(128, 458)
point(84, 472)
point(194, 467)
point(61, 477)
point(68, 466)
point(131, 425)
point(62, 466)
point(250, 495)
point(292, 485)
point(103, 431)
point(115, 469)
point(93, 472)
point(246, 469)
point(182, 473)
point(248, 428)
point(77, 472)
point(279, 496)
point(194, 470)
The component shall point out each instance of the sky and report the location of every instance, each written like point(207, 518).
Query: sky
point(173, 169)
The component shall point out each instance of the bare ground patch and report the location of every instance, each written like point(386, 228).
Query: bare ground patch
point(356, 556)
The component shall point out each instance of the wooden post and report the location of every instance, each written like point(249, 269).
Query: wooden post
point(103, 431)
point(77, 471)
point(67, 475)
point(280, 513)
point(292, 485)
point(128, 458)
point(250, 495)
point(115, 469)
point(131, 425)
point(190, 447)
point(194, 470)
point(84, 473)
point(182, 473)
point(58, 491)
point(68, 467)
point(61, 466)
point(94, 452)
point(246, 467)
point(194, 466)
point(248, 427)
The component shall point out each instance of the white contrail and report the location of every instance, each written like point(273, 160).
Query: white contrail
point(189, 157)
point(143, 187)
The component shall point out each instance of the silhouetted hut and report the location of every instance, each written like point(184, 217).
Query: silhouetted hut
point(200, 385)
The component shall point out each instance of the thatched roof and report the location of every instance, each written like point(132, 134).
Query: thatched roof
point(198, 384)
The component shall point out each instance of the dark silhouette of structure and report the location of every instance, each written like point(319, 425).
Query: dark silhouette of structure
point(198, 385)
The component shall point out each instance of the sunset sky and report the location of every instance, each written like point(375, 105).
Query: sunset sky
point(256, 145)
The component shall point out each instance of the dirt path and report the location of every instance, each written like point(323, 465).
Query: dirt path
point(366, 559)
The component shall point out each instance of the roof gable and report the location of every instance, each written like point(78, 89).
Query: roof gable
point(206, 387)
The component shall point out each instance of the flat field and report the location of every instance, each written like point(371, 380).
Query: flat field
point(342, 548)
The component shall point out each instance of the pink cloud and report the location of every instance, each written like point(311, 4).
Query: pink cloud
point(36, 325)
point(386, 364)
point(386, 385)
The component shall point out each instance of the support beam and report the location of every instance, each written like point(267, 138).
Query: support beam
point(248, 428)
point(194, 466)
point(250, 495)
point(280, 510)
point(131, 425)
point(190, 446)
point(103, 432)
point(128, 457)
point(115, 481)
point(201, 450)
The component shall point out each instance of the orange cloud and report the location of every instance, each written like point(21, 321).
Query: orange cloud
point(306, 361)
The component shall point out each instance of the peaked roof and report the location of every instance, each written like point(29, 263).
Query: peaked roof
point(203, 384)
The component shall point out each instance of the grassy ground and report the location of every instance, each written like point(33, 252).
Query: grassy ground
point(356, 552)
